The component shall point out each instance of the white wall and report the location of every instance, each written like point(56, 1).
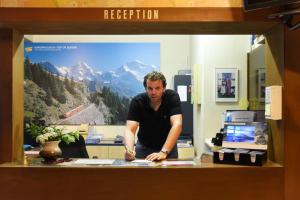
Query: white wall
point(216, 51)
point(175, 51)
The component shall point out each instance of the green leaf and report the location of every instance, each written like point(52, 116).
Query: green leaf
point(67, 138)
point(76, 135)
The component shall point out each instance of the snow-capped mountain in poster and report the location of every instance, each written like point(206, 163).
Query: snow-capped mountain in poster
point(92, 80)
point(125, 80)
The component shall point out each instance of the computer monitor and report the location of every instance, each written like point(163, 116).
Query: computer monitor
point(240, 133)
point(247, 135)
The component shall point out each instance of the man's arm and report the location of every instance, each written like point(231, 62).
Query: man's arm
point(174, 133)
point(176, 127)
point(129, 139)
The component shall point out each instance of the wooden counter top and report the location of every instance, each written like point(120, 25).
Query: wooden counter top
point(203, 181)
point(37, 162)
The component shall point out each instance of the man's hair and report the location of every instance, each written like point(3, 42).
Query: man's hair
point(154, 76)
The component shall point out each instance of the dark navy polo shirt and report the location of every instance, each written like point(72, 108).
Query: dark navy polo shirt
point(154, 126)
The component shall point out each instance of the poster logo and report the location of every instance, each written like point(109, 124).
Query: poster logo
point(28, 49)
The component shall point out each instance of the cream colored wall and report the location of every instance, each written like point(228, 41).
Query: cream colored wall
point(175, 51)
point(210, 52)
point(256, 62)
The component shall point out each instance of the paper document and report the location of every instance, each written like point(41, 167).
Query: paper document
point(184, 145)
point(177, 163)
point(182, 91)
point(31, 152)
point(94, 161)
point(141, 161)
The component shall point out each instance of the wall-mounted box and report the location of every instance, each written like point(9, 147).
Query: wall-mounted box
point(273, 102)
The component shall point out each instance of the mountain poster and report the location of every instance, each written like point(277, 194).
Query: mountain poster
point(85, 83)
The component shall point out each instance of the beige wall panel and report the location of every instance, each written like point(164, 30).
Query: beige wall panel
point(116, 152)
point(100, 152)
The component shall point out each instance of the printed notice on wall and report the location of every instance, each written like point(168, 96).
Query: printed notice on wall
point(182, 91)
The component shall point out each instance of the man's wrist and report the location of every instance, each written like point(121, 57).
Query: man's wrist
point(165, 151)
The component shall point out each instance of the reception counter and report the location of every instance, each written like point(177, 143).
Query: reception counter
point(200, 181)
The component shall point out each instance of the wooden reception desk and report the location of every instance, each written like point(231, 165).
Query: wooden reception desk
point(201, 181)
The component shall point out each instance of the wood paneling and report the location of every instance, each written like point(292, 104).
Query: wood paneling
point(11, 87)
point(113, 28)
point(196, 14)
point(64, 183)
point(274, 63)
point(226, 183)
point(171, 21)
point(120, 3)
point(18, 96)
point(6, 84)
point(292, 113)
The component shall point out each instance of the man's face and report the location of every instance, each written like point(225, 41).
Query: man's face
point(155, 90)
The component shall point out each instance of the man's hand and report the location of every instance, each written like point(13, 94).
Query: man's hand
point(129, 155)
point(156, 156)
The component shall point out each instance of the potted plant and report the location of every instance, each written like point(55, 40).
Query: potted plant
point(49, 137)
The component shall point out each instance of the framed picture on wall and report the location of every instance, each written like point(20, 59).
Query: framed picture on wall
point(261, 84)
point(226, 85)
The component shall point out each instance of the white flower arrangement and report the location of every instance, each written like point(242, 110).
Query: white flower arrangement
point(56, 134)
point(49, 134)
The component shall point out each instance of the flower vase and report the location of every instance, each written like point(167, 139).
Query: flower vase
point(50, 151)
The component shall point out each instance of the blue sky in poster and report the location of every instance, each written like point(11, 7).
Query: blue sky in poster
point(101, 56)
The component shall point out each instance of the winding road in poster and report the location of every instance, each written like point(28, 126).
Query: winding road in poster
point(89, 115)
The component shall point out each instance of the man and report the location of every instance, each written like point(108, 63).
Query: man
point(157, 114)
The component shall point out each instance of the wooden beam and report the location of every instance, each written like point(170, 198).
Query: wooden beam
point(114, 3)
point(202, 20)
point(11, 87)
point(6, 80)
point(292, 112)
point(196, 14)
point(18, 97)
point(274, 66)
